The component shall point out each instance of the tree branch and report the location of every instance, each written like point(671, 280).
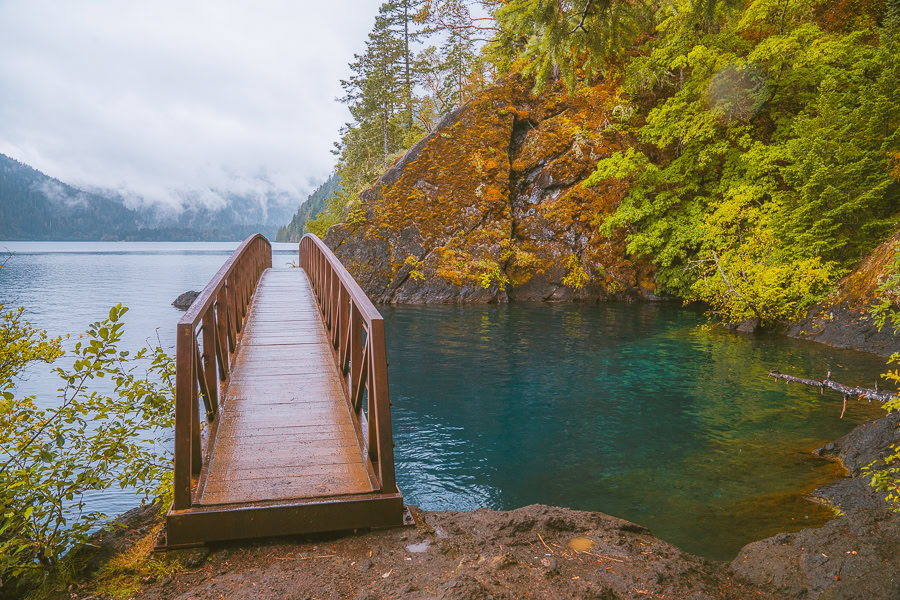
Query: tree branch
point(584, 14)
point(731, 287)
point(846, 390)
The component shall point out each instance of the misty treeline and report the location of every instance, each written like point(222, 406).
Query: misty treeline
point(34, 206)
point(763, 153)
point(312, 206)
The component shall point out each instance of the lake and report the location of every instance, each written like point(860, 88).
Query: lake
point(629, 409)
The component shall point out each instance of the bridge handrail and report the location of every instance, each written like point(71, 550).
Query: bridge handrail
point(220, 311)
point(356, 333)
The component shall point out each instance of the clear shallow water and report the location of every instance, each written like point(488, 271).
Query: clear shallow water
point(627, 409)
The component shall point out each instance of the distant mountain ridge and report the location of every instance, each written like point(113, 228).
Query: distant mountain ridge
point(312, 206)
point(35, 206)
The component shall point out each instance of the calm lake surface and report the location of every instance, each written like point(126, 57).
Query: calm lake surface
point(632, 410)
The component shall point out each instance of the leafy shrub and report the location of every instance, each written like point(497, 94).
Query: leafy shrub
point(884, 473)
point(50, 457)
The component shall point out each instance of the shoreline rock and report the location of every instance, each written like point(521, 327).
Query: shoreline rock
point(854, 556)
point(844, 320)
point(184, 301)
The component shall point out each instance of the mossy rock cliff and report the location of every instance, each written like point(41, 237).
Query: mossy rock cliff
point(490, 207)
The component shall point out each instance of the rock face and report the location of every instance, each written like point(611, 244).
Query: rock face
point(844, 320)
point(846, 559)
point(185, 300)
point(854, 556)
point(490, 208)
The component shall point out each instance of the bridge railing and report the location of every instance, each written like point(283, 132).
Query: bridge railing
point(206, 340)
point(356, 332)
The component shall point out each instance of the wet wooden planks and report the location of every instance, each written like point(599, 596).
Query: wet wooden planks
point(285, 431)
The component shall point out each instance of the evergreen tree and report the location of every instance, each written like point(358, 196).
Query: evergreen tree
point(554, 39)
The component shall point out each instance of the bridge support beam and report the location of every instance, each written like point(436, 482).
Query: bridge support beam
point(194, 526)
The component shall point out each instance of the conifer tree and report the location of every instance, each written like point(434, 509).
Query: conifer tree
point(557, 39)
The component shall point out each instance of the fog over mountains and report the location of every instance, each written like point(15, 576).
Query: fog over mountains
point(34, 206)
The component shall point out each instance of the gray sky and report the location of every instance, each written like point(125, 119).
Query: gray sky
point(162, 97)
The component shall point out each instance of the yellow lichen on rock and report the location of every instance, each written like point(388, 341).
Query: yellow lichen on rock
point(490, 206)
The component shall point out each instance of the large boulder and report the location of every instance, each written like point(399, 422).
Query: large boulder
point(490, 207)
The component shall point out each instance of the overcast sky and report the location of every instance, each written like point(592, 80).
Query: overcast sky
point(156, 98)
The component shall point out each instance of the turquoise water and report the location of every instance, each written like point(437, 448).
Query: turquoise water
point(628, 409)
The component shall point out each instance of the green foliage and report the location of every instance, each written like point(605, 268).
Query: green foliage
point(573, 41)
point(490, 273)
point(52, 454)
point(763, 168)
point(884, 473)
point(311, 207)
point(576, 276)
point(415, 272)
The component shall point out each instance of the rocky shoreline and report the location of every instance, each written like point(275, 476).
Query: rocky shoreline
point(857, 554)
point(543, 552)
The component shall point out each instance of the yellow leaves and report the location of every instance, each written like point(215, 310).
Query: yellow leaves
point(21, 344)
point(490, 273)
point(576, 276)
point(416, 272)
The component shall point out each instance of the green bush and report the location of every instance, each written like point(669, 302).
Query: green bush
point(884, 473)
point(50, 457)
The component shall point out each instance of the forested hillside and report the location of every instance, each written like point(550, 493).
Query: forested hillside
point(311, 207)
point(749, 153)
point(34, 206)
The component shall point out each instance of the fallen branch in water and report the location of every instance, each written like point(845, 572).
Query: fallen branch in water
point(846, 390)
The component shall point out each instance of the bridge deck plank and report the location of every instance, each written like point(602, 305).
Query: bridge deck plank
point(285, 431)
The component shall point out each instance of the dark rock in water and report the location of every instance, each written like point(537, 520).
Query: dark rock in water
point(185, 300)
point(850, 494)
point(865, 443)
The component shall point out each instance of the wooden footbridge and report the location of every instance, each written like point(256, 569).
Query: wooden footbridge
point(289, 367)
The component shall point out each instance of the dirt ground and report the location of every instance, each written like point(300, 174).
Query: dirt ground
point(532, 552)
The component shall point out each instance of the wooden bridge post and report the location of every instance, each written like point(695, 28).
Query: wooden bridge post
point(381, 407)
point(184, 378)
point(209, 358)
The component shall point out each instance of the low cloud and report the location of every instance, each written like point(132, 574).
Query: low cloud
point(173, 103)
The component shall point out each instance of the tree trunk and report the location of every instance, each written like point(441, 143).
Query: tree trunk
point(408, 99)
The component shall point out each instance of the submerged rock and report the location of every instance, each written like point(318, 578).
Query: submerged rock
point(185, 300)
point(748, 325)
